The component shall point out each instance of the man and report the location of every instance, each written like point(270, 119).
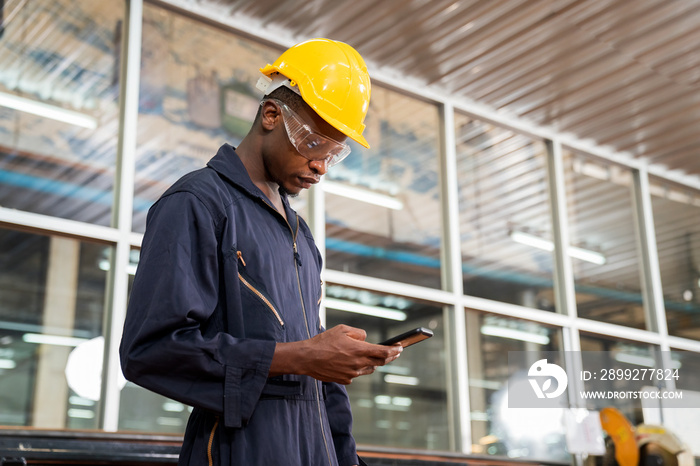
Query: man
point(223, 315)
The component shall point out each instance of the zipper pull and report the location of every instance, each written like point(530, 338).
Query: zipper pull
point(297, 258)
point(239, 254)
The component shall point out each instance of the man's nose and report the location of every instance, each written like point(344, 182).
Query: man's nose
point(319, 166)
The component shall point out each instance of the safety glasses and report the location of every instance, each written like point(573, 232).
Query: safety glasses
point(310, 144)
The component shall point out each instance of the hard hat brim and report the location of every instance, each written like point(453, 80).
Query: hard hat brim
point(349, 132)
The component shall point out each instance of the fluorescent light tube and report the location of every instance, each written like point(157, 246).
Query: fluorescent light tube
point(514, 334)
point(173, 407)
point(80, 401)
point(7, 364)
point(375, 311)
point(41, 339)
point(361, 194)
point(389, 403)
point(382, 399)
point(531, 240)
point(546, 245)
point(81, 413)
point(401, 401)
point(401, 379)
point(394, 369)
point(169, 421)
point(47, 110)
point(638, 360)
point(104, 265)
point(587, 255)
point(646, 361)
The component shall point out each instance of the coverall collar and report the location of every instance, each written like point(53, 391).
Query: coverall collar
point(227, 163)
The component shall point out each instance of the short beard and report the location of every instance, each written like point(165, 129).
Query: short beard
point(282, 190)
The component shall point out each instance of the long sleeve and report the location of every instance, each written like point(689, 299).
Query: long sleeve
point(174, 341)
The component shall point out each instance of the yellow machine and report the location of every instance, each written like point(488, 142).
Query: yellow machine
point(645, 445)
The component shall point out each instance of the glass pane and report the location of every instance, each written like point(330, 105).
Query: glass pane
point(689, 363)
point(621, 353)
point(59, 95)
point(383, 204)
point(685, 423)
point(603, 237)
point(676, 213)
point(496, 428)
point(52, 294)
point(505, 223)
point(403, 404)
point(197, 92)
point(145, 411)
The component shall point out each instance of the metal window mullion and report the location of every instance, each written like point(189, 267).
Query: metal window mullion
point(451, 272)
point(684, 344)
point(617, 331)
point(564, 285)
point(564, 288)
point(317, 220)
point(55, 225)
point(652, 288)
point(135, 239)
point(123, 210)
point(646, 236)
point(388, 286)
point(574, 366)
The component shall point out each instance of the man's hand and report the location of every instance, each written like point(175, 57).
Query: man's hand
point(337, 355)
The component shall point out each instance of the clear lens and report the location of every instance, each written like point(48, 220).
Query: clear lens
point(310, 144)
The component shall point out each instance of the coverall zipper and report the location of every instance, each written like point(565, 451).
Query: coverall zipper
point(257, 292)
point(262, 298)
point(297, 264)
point(211, 441)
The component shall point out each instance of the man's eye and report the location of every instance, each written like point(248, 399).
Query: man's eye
point(313, 143)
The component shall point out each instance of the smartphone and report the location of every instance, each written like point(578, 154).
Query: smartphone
point(409, 338)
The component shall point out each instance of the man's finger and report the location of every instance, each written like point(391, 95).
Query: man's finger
point(356, 333)
point(367, 370)
point(384, 352)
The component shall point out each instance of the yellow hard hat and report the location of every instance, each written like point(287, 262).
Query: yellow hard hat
point(332, 79)
point(622, 433)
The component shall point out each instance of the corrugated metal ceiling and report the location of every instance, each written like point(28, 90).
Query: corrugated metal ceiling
point(624, 75)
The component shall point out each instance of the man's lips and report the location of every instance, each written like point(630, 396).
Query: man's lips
point(308, 180)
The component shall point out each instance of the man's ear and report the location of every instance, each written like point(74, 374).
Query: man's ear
point(270, 115)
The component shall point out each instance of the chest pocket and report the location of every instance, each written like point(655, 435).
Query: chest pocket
point(263, 319)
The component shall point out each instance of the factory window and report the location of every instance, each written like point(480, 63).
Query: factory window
point(603, 233)
point(684, 422)
point(59, 118)
point(141, 410)
point(504, 215)
point(618, 354)
point(676, 211)
point(403, 404)
point(52, 294)
point(498, 428)
point(197, 92)
point(383, 204)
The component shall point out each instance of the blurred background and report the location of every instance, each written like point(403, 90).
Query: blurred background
point(533, 185)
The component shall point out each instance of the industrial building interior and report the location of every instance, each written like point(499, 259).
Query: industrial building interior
point(500, 130)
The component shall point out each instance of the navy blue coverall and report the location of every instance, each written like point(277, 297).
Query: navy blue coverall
point(222, 277)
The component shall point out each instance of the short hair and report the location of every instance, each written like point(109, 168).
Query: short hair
point(286, 95)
